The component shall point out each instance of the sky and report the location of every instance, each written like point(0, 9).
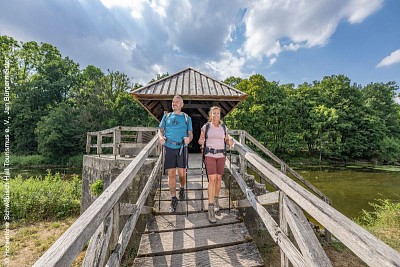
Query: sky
point(288, 41)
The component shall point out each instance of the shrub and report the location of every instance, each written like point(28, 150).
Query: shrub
point(96, 188)
point(38, 198)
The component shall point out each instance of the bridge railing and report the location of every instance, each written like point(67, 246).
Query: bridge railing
point(122, 140)
point(244, 136)
point(101, 221)
point(293, 199)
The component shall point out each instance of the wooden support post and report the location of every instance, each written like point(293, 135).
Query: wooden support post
point(88, 143)
point(115, 229)
point(99, 142)
point(243, 163)
point(139, 138)
point(284, 226)
point(96, 253)
point(116, 141)
point(283, 168)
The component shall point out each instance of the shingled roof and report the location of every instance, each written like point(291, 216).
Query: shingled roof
point(198, 90)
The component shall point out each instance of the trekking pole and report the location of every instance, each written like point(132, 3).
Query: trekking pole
point(186, 156)
point(202, 174)
point(229, 180)
point(162, 173)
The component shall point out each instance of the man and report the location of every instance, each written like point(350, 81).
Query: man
point(176, 132)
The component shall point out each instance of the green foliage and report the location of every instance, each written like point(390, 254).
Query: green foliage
point(75, 161)
point(25, 161)
point(385, 214)
point(59, 133)
point(45, 198)
point(96, 188)
point(389, 150)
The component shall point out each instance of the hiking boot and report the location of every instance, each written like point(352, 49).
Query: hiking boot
point(216, 205)
point(211, 213)
point(174, 204)
point(181, 193)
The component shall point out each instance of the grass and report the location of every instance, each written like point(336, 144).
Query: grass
point(383, 221)
point(29, 241)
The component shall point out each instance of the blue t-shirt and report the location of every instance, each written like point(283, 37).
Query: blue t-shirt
point(175, 128)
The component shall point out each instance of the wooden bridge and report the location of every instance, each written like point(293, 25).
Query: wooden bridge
point(180, 240)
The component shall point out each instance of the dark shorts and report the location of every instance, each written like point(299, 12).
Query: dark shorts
point(215, 165)
point(172, 159)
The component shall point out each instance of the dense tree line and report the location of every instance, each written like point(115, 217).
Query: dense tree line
point(54, 103)
point(331, 118)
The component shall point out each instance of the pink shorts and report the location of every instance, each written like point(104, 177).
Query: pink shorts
point(215, 165)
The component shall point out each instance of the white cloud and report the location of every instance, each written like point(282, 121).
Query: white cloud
point(393, 58)
point(136, 6)
point(227, 66)
point(275, 26)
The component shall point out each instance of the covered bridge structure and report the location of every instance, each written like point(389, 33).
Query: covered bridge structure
point(199, 93)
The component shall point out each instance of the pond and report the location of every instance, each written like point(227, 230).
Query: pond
point(350, 190)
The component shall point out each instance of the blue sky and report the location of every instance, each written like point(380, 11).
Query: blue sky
point(289, 41)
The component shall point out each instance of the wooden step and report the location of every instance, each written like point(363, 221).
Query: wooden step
point(245, 254)
point(194, 220)
point(192, 194)
point(191, 184)
point(191, 240)
point(193, 206)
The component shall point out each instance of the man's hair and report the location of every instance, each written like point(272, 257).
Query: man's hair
point(178, 96)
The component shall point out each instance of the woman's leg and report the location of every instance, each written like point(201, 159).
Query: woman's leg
point(212, 178)
point(220, 171)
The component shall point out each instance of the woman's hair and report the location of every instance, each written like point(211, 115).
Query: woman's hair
point(210, 113)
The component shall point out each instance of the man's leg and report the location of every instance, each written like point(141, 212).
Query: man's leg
point(172, 189)
point(182, 180)
point(172, 181)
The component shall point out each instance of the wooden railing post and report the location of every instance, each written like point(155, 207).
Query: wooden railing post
point(139, 138)
point(115, 229)
point(243, 163)
point(284, 226)
point(99, 142)
point(88, 142)
point(283, 168)
point(116, 141)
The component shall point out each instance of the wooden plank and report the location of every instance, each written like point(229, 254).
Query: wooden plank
point(193, 220)
point(264, 200)
point(124, 237)
point(98, 245)
point(308, 243)
point(348, 232)
point(190, 185)
point(194, 206)
point(129, 209)
point(181, 241)
point(192, 194)
point(245, 254)
point(65, 250)
point(276, 233)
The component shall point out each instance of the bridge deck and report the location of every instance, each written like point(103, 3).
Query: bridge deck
point(180, 240)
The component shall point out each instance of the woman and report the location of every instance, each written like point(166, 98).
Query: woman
point(213, 138)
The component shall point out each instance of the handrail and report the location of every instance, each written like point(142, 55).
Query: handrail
point(117, 143)
point(293, 172)
point(65, 250)
point(367, 247)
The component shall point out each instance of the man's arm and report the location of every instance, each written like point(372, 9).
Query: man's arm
point(161, 136)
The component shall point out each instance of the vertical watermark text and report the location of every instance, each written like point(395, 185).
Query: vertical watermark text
point(6, 163)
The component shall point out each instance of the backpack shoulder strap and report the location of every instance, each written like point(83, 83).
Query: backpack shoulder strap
point(166, 117)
